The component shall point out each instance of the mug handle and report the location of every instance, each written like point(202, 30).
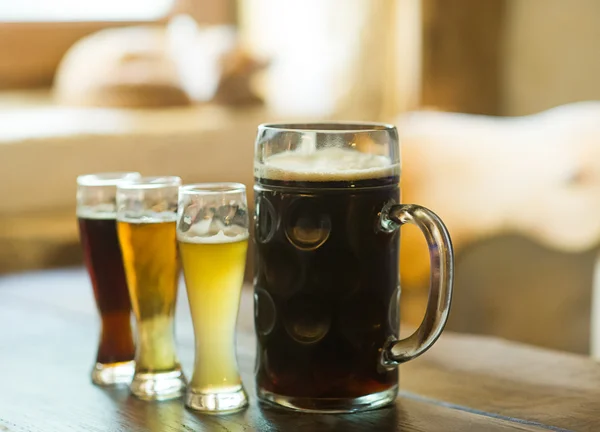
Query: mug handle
point(392, 217)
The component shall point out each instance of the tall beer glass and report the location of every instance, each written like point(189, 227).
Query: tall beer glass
point(146, 223)
point(96, 214)
point(327, 236)
point(212, 232)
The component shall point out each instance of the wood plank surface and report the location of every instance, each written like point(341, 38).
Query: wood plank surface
point(49, 335)
point(509, 379)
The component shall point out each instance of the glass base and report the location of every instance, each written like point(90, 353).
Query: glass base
point(109, 374)
point(158, 386)
point(216, 403)
point(330, 405)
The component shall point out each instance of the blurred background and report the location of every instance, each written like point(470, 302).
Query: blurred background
point(495, 101)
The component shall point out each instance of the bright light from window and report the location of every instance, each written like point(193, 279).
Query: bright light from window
point(83, 10)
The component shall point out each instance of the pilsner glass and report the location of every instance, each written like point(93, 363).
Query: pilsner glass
point(327, 236)
point(146, 219)
point(212, 232)
point(96, 214)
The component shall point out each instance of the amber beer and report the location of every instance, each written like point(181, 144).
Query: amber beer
point(150, 258)
point(214, 273)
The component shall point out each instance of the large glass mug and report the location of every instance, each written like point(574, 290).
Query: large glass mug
point(326, 287)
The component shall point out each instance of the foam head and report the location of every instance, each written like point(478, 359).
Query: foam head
point(212, 231)
point(325, 164)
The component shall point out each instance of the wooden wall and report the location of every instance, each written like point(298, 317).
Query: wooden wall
point(462, 55)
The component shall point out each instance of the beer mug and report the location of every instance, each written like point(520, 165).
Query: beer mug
point(326, 287)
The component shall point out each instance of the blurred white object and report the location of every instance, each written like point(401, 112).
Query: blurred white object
point(537, 176)
point(154, 66)
point(197, 53)
point(311, 44)
point(335, 58)
point(120, 67)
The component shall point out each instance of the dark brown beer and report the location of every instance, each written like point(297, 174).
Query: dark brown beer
point(105, 265)
point(326, 287)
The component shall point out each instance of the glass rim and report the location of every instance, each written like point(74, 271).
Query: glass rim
point(107, 178)
point(329, 127)
point(150, 182)
point(218, 188)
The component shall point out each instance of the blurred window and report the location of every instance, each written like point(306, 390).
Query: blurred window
point(82, 10)
point(35, 34)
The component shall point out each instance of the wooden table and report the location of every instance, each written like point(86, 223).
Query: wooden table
point(49, 333)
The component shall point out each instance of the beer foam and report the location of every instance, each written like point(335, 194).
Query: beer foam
point(326, 164)
point(218, 238)
point(147, 217)
point(96, 212)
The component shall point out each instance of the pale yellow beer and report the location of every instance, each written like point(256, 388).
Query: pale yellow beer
point(152, 270)
point(214, 272)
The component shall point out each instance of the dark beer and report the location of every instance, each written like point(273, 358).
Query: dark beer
point(326, 287)
point(105, 266)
